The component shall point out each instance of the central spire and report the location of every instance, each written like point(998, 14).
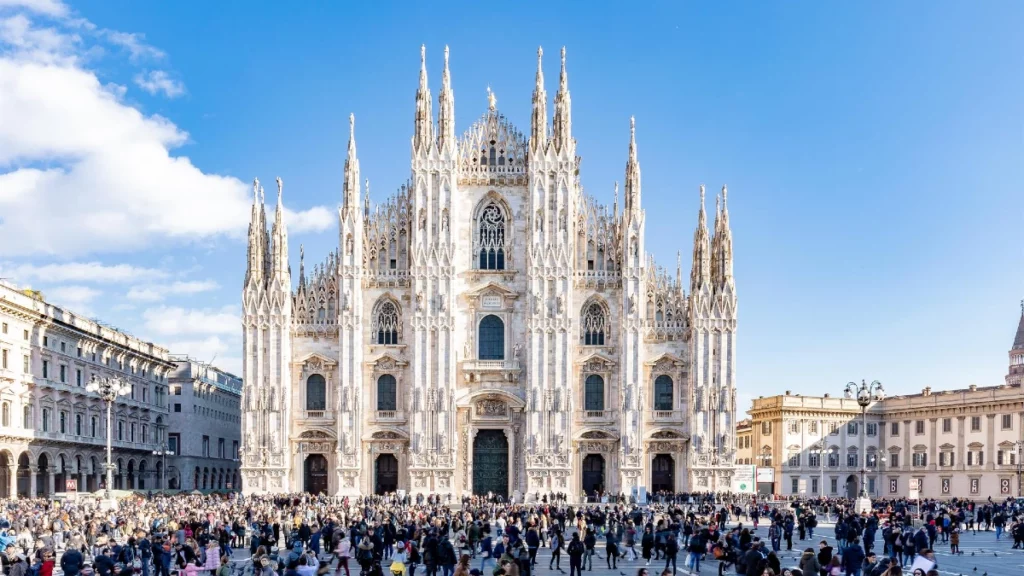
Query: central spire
point(423, 136)
point(350, 188)
point(700, 274)
point(562, 129)
point(539, 119)
point(632, 174)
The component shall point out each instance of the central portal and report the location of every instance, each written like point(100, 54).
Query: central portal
point(490, 463)
point(316, 474)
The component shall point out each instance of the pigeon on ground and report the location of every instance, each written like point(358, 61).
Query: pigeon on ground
point(972, 553)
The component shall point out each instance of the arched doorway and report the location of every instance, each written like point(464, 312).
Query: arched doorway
point(130, 485)
point(490, 463)
point(851, 486)
point(316, 474)
point(42, 483)
point(663, 475)
point(24, 476)
point(387, 474)
point(593, 474)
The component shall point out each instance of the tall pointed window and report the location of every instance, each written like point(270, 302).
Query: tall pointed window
point(316, 393)
point(593, 325)
point(492, 338)
point(386, 323)
point(492, 238)
point(593, 394)
point(663, 393)
point(387, 393)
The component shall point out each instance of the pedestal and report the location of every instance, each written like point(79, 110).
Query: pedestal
point(106, 505)
point(862, 505)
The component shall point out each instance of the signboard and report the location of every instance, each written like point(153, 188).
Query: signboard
point(491, 301)
point(71, 485)
point(914, 495)
point(915, 484)
point(743, 480)
point(945, 485)
point(639, 494)
point(893, 485)
point(765, 474)
point(802, 485)
point(1004, 485)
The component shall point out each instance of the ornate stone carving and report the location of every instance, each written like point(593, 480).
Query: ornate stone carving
point(490, 407)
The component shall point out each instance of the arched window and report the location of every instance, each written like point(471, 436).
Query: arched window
point(387, 393)
point(316, 393)
point(593, 325)
point(663, 393)
point(386, 323)
point(492, 238)
point(593, 398)
point(492, 338)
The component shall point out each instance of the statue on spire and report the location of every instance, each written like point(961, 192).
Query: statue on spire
point(280, 187)
point(492, 100)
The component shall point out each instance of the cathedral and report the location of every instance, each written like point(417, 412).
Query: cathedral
point(488, 329)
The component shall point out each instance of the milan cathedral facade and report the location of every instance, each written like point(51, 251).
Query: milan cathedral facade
point(490, 328)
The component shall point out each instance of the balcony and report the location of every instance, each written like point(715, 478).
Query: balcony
point(597, 416)
point(318, 415)
point(668, 416)
point(490, 370)
point(389, 416)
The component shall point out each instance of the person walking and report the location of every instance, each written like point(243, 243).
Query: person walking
point(576, 550)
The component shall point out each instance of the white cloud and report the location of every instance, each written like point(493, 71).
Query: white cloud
point(220, 352)
point(177, 321)
point(73, 298)
point(159, 81)
point(157, 292)
point(316, 219)
point(70, 140)
point(95, 272)
point(134, 44)
point(54, 8)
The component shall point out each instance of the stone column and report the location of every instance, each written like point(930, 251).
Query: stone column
point(933, 445)
point(32, 471)
point(51, 477)
point(12, 486)
point(961, 458)
point(990, 443)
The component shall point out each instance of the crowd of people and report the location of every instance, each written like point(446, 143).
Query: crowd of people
point(305, 535)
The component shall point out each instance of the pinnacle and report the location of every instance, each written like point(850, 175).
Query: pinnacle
point(1018, 341)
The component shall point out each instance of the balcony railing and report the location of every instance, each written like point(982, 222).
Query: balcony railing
point(318, 414)
point(597, 415)
point(390, 415)
point(668, 415)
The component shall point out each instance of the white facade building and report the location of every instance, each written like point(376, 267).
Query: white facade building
point(489, 328)
point(51, 429)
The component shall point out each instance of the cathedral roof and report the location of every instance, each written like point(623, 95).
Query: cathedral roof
point(492, 144)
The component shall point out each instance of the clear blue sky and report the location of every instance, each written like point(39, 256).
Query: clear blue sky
point(874, 154)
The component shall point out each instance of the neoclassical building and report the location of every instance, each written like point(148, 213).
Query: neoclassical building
point(489, 328)
point(52, 430)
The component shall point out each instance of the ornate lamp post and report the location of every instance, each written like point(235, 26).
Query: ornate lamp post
point(865, 394)
point(108, 390)
point(163, 453)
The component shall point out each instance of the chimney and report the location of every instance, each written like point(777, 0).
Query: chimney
point(787, 392)
point(927, 391)
point(827, 395)
point(973, 388)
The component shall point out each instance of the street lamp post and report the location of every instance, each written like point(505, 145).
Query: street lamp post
point(163, 452)
point(108, 389)
point(1020, 456)
point(865, 394)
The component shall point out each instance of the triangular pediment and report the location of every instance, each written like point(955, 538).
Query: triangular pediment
point(666, 357)
point(596, 361)
point(318, 361)
point(386, 362)
point(491, 288)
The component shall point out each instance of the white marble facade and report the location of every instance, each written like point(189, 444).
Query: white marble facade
point(490, 327)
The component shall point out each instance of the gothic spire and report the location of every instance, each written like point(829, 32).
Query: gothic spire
point(424, 128)
point(725, 243)
point(615, 203)
point(539, 120)
point(562, 129)
point(257, 229)
point(279, 239)
point(350, 194)
point(446, 109)
point(632, 174)
point(700, 273)
point(302, 266)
